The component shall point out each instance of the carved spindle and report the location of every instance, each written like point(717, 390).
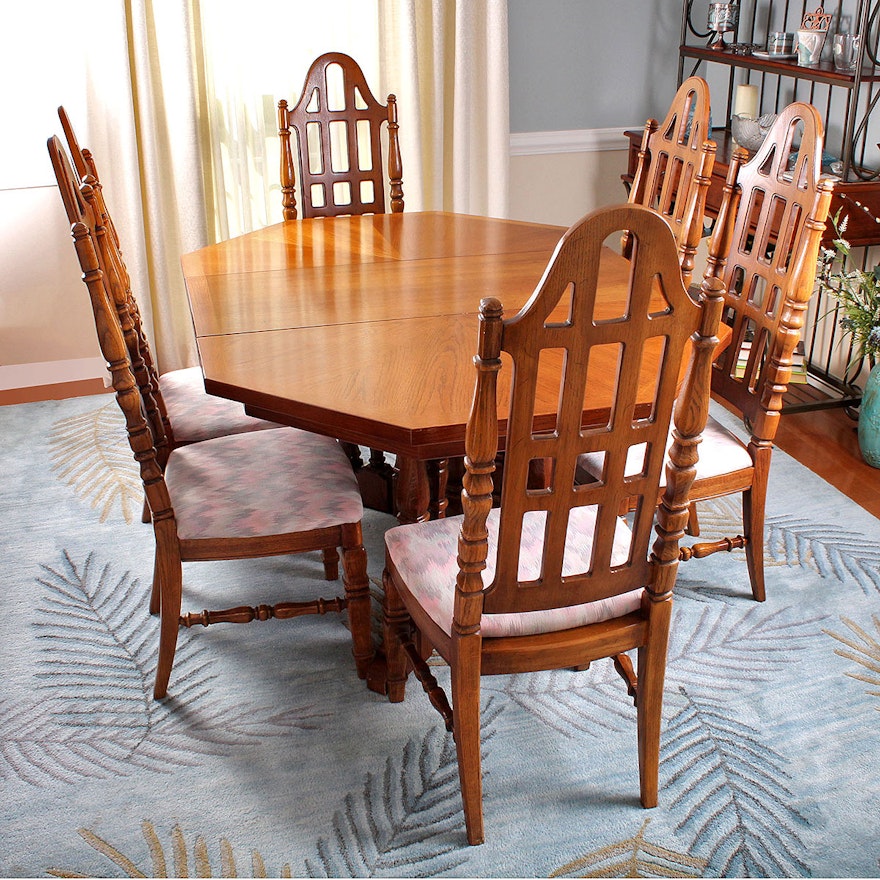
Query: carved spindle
point(357, 596)
point(423, 673)
point(117, 279)
point(722, 232)
point(438, 475)
point(288, 177)
point(707, 548)
point(481, 446)
point(395, 163)
point(691, 413)
point(640, 181)
point(248, 613)
point(792, 318)
point(395, 623)
point(127, 393)
point(692, 218)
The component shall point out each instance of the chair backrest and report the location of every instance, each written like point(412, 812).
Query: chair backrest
point(674, 168)
point(144, 432)
point(764, 247)
point(338, 154)
point(564, 331)
point(87, 184)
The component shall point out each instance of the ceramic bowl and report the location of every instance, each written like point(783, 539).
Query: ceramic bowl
point(750, 133)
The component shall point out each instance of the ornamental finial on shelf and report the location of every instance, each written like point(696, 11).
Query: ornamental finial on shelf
point(816, 21)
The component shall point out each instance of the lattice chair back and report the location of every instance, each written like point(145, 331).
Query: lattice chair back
point(766, 254)
point(561, 328)
point(674, 168)
point(337, 157)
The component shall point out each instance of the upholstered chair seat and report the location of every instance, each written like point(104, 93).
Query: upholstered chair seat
point(292, 500)
point(425, 556)
point(198, 416)
point(721, 452)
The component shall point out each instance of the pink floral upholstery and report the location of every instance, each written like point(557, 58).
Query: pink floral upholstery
point(425, 555)
point(720, 453)
point(261, 483)
point(196, 415)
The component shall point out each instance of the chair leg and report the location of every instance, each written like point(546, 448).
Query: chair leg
point(465, 669)
point(753, 503)
point(331, 564)
point(170, 574)
point(146, 515)
point(156, 589)
point(357, 595)
point(394, 615)
point(649, 700)
point(693, 524)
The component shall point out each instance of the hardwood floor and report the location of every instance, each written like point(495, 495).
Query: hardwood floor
point(826, 442)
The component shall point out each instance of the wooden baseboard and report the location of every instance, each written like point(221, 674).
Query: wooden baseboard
point(56, 391)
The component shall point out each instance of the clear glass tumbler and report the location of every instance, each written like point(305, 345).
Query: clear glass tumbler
point(846, 51)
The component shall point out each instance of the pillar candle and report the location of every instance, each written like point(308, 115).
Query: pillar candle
point(745, 102)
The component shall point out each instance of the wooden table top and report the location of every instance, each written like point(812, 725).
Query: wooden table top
point(364, 328)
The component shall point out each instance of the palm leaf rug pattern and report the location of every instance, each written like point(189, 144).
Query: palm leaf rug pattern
point(388, 828)
point(863, 649)
point(93, 457)
point(634, 857)
point(730, 805)
point(737, 809)
point(93, 714)
point(178, 857)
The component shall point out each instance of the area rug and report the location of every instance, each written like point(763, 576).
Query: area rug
point(271, 758)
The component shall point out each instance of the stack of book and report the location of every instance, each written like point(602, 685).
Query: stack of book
point(798, 362)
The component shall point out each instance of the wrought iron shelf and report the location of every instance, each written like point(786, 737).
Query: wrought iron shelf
point(824, 72)
point(846, 101)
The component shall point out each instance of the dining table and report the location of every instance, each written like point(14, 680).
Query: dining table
point(364, 328)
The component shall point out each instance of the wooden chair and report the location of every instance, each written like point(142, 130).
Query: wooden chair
point(554, 577)
point(179, 394)
point(674, 169)
point(337, 158)
point(766, 256)
point(764, 248)
point(212, 500)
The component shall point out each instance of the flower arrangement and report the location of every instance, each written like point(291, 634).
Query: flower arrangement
point(857, 292)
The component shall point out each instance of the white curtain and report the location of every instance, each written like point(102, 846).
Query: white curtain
point(141, 130)
point(247, 64)
point(447, 62)
point(182, 119)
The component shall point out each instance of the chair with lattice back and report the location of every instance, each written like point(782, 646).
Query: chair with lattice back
point(766, 255)
point(764, 248)
point(674, 168)
point(212, 500)
point(332, 143)
point(555, 578)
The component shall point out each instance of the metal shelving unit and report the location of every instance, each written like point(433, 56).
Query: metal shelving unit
point(846, 102)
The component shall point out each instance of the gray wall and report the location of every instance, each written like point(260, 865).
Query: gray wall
point(580, 64)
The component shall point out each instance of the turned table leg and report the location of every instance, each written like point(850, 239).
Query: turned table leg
point(412, 490)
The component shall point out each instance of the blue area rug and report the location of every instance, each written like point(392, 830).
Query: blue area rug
point(271, 758)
